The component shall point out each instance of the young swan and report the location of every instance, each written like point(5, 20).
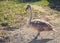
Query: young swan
point(38, 24)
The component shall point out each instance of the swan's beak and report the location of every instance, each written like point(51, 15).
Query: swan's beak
point(26, 9)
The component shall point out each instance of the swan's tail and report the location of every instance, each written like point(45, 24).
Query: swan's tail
point(54, 30)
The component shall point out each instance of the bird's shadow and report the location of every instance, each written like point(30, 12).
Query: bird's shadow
point(40, 41)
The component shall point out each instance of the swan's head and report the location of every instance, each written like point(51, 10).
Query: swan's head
point(28, 7)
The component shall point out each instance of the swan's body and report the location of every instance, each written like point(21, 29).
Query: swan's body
point(38, 24)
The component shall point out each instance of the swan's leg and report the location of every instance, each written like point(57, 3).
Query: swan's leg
point(39, 37)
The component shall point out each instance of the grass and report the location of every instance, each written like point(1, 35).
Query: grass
point(8, 10)
point(42, 2)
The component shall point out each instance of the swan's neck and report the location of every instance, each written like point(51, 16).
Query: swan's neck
point(30, 17)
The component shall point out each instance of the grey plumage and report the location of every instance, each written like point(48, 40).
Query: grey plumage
point(38, 24)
